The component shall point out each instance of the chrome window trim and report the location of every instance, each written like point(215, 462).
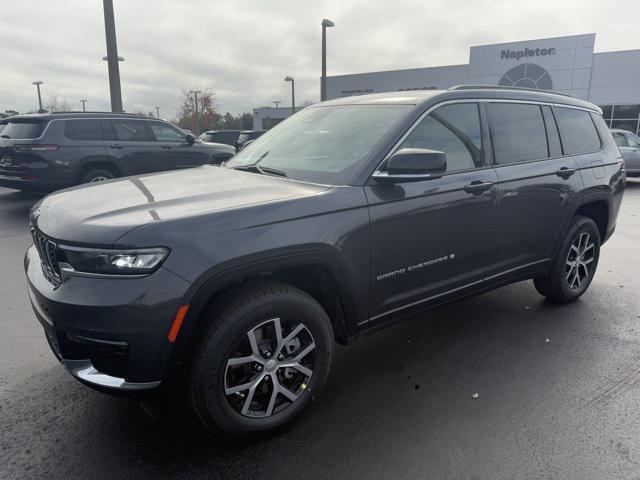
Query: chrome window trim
point(395, 147)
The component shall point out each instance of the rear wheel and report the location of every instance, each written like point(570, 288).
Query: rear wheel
point(97, 175)
point(575, 265)
point(263, 359)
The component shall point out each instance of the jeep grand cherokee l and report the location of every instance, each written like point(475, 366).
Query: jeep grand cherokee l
point(53, 151)
point(354, 213)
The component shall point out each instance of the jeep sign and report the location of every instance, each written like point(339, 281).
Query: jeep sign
point(527, 52)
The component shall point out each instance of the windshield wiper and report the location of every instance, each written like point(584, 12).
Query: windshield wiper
point(261, 170)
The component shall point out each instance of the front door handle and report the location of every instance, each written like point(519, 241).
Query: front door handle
point(117, 147)
point(565, 172)
point(167, 147)
point(477, 187)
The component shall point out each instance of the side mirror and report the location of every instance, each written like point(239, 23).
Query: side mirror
point(190, 139)
point(413, 165)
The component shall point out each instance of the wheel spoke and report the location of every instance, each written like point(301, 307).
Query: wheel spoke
point(287, 393)
point(305, 352)
point(274, 395)
point(294, 333)
point(232, 362)
point(587, 248)
point(587, 261)
point(570, 271)
point(239, 388)
point(577, 277)
point(301, 368)
point(254, 343)
point(278, 330)
point(249, 399)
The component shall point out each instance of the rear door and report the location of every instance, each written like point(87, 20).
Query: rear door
point(632, 154)
point(174, 151)
point(82, 142)
point(537, 184)
point(130, 144)
point(431, 238)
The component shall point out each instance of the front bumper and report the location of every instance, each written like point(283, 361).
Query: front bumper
point(110, 334)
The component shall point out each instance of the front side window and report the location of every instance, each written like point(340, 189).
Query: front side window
point(325, 145)
point(453, 129)
point(83, 130)
point(579, 134)
point(126, 130)
point(518, 132)
point(166, 133)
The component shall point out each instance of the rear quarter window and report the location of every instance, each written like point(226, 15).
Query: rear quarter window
point(579, 134)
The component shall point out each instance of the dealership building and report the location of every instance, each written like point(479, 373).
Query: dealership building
point(564, 64)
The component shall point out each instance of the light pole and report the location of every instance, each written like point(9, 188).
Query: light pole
point(37, 83)
point(157, 111)
point(112, 56)
point(83, 106)
point(323, 79)
point(195, 96)
point(293, 93)
point(277, 102)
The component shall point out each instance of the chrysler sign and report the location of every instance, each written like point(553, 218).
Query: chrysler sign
point(526, 52)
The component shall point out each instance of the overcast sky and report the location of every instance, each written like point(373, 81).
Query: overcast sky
point(242, 49)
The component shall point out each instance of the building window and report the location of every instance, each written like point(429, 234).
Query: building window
point(624, 117)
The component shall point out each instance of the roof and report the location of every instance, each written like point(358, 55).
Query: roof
point(421, 97)
point(51, 115)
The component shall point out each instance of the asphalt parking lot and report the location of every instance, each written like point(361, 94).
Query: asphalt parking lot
point(559, 392)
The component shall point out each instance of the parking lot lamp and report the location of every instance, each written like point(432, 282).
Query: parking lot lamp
point(112, 57)
point(195, 101)
point(293, 93)
point(157, 111)
point(37, 83)
point(323, 79)
point(84, 100)
point(277, 103)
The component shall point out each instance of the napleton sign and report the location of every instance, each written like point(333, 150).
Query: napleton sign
point(526, 52)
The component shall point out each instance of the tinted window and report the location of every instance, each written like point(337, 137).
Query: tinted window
point(633, 140)
point(620, 139)
point(518, 132)
point(129, 130)
point(166, 133)
point(607, 110)
point(578, 132)
point(454, 130)
point(553, 136)
point(83, 130)
point(626, 111)
point(23, 128)
point(628, 125)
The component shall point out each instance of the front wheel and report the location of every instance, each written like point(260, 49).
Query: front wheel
point(574, 265)
point(263, 359)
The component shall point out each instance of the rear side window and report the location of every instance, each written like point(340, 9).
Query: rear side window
point(23, 129)
point(620, 139)
point(579, 134)
point(126, 130)
point(454, 130)
point(83, 130)
point(633, 140)
point(518, 132)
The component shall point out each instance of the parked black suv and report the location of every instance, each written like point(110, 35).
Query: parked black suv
point(248, 136)
point(352, 214)
point(228, 137)
point(52, 151)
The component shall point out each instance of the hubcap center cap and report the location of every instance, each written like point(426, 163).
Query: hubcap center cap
point(270, 366)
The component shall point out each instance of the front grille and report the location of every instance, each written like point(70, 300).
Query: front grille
point(48, 251)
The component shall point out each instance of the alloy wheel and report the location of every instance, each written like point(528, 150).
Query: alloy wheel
point(579, 261)
point(270, 369)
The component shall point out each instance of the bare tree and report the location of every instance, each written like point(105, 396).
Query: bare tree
point(54, 104)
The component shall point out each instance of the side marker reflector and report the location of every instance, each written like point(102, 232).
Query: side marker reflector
point(177, 323)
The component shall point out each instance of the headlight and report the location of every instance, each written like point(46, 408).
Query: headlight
point(110, 262)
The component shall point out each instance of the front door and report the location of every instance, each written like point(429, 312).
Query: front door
point(434, 237)
point(130, 142)
point(174, 151)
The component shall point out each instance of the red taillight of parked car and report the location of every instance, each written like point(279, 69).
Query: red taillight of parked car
point(35, 148)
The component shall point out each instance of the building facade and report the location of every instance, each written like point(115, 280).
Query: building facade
point(564, 64)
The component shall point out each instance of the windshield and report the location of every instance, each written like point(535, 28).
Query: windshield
point(322, 144)
point(23, 129)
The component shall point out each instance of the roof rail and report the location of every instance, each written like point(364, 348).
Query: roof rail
point(502, 87)
point(94, 111)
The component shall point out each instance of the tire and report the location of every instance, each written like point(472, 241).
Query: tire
point(255, 309)
point(568, 280)
point(97, 175)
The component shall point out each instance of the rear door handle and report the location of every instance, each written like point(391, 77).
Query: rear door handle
point(565, 172)
point(167, 147)
point(477, 187)
point(117, 147)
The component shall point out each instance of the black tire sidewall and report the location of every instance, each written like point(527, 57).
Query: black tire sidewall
point(211, 403)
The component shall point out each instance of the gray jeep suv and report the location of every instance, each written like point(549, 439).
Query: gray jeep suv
point(232, 283)
point(53, 151)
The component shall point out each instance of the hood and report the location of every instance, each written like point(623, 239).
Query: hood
point(101, 213)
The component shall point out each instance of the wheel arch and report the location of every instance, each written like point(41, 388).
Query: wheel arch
point(97, 163)
point(317, 273)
